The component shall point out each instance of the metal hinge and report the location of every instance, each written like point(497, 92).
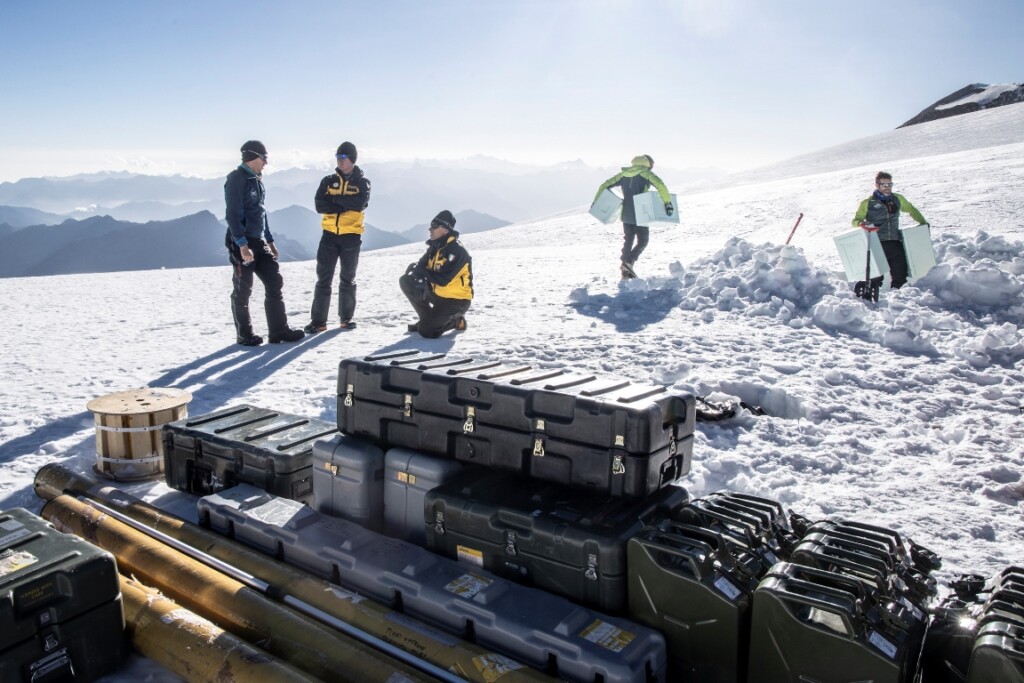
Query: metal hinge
point(672, 445)
point(591, 572)
point(617, 466)
point(510, 543)
point(538, 447)
point(349, 391)
point(469, 425)
point(332, 468)
point(439, 523)
point(407, 405)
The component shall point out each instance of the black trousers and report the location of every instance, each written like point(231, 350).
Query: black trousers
point(896, 255)
point(265, 267)
point(333, 249)
point(642, 235)
point(437, 314)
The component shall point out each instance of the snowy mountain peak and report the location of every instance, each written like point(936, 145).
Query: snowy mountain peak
point(971, 98)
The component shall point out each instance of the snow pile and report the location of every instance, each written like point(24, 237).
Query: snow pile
point(766, 280)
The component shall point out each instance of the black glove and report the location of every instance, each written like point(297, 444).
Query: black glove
point(669, 208)
point(422, 288)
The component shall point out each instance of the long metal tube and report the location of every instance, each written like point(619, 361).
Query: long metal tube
point(299, 640)
point(299, 589)
point(195, 648)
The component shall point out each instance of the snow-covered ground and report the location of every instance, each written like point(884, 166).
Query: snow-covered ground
point(907, 414)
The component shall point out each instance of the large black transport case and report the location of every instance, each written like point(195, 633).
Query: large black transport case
point(568, 541)
point(606, 435)
point(268, 449)
point(61, 617)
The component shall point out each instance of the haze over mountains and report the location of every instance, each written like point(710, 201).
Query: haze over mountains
point(108, 221)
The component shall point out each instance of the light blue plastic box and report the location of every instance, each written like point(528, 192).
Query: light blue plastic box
point(853, 250)
point(651, 209)
point(606, 207)
point(917, 241)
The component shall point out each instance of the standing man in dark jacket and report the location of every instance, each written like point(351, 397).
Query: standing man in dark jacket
point(342, 198)
point(881, 211)
point(251, 250)
point(635, 179)
point(440, 285)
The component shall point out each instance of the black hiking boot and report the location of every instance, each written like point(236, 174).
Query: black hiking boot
point(314, 327)
point(250, 340)
point(460, 325)
point(347, 325)
point(286, 336)
point(414, 327)
point(627, 271)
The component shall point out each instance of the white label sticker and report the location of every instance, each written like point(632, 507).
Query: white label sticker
point(730, 591)
point(468, 585)
point(607, 635)
point(11, 562)
point(882, 644)
point(469, 555)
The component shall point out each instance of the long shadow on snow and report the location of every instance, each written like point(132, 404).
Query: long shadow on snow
point(248, 367)
point(629, 311)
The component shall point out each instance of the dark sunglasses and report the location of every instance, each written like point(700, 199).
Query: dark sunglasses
point(341, 157)
point(261, 156)
point(435, 225)
point(885, 184)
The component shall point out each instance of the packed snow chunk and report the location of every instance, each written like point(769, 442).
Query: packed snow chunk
point(766, 280)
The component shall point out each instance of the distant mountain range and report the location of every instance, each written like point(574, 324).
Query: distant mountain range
point(404, 194)
point(971, 98)
point(104, 244)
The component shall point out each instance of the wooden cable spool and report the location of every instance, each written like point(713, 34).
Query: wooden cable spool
point(129, 430)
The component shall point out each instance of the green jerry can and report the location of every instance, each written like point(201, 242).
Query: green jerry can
point(696, 587)
point(811, 624)
point(998, 654)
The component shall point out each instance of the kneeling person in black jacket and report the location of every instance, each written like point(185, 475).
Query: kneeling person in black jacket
point(440, 285)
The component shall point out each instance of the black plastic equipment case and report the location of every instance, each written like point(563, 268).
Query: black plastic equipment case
point(268, 449)
point(567, 541)
point(534, 627)
point(807, 622)
point(697, 589)
point(607, 435)
point(61, 616)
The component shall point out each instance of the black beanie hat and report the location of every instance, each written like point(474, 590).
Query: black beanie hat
point(253, 149)
point(445, 218)
point(348, 149)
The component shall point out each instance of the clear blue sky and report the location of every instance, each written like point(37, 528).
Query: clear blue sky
point(178, 86)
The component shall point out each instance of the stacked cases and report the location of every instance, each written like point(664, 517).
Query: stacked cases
point(608, 436)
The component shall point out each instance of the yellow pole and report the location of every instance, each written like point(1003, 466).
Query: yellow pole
point(193, 647)
point(300, 641)
point(466, 660)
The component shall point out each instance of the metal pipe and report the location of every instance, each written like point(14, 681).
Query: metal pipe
point(195, 648)
point(300, 641)
point(297, 588)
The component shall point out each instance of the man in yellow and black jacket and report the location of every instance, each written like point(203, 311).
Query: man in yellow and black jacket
point(440, 285)
point(341, 198)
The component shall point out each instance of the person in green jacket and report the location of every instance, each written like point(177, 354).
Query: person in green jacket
point(881, 211)
point(635, 179)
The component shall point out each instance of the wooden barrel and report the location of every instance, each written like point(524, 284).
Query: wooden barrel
point(129, 443)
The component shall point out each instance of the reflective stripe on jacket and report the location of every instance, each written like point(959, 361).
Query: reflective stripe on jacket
point(342, 199)
point(449, 267)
